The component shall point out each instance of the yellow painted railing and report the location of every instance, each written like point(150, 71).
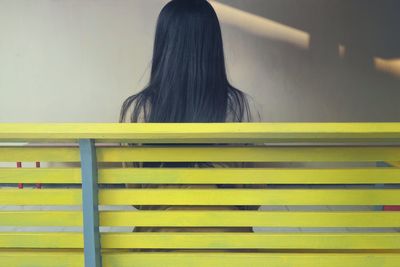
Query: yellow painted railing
point(314, 181)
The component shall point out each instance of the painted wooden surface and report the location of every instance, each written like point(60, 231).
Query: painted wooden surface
point(201, 259)
point(251, 218)
point(49, 154)
point(249, 154)
point(372, 241)
point(42, 175)
point(368, 175)
point(304, 143)
point(253, 259)
point(41, 218)
point(30, 196)
point(187, 218)
point(250, 197)
point(202, 132)
point(250, 176)
point(205, 197)
point(213, 154)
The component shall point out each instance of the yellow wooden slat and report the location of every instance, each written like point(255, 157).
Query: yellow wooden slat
point(206, 176)
point(34, 258)
point(30, 196)
point(206, 218)
point(180, 218)
point(41, 240)
point(40, 218)
point(248, 176)
point(201, 132)
point(205, 197)
point(252, 240)
point(227, 154)
point(250, 197)
point(207, 240)
point(202, 259)
point(248, 154)
point(42, 175)
point(49, 154)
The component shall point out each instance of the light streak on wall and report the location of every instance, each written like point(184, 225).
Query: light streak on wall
point(261, 26)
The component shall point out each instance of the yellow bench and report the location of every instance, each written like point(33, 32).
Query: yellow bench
point(305, 144)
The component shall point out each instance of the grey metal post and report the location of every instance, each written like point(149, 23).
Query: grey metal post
point(91, 234)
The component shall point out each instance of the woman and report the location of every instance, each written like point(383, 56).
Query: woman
point(188, 83)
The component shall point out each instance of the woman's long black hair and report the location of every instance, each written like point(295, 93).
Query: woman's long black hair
point(188, 81)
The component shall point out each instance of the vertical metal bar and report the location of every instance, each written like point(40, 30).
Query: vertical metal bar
point(90, 210)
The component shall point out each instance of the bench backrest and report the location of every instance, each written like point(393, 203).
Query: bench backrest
point(316, 183)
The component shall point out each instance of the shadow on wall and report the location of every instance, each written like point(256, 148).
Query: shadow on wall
point(339, 57)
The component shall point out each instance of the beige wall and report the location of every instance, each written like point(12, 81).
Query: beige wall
point(76, 60)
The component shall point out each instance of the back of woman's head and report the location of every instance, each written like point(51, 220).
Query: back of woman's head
point(188, 81)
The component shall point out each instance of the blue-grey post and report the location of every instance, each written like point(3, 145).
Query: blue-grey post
point(90, 209)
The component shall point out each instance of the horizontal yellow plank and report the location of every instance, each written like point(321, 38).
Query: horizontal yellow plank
point(176, 259)
point(41, 175)
point(34, 258)
point(248, 154)
point(248, 176)
point(206, 175)
point(202, 259)
point(251, 240)
point(368, 241)
point(40, 218)
point(180, 218)
point(202, 132)
point(41, 240)
point(50, 154)
point(205, 197)
point(213, 154)
point(31, 196)
point(250, 197)
point(187, 218)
